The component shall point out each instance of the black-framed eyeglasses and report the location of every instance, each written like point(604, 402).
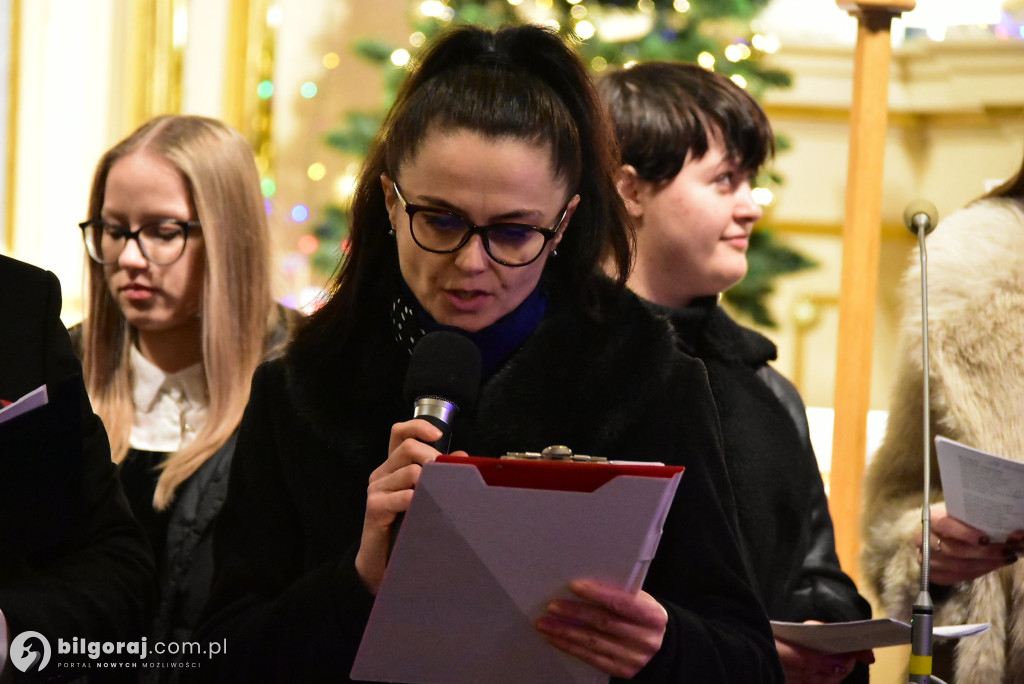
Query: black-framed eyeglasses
point(161, 242)
point(509, 244)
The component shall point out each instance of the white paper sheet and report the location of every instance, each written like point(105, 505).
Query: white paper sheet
point(861, 635)
point(981, 489)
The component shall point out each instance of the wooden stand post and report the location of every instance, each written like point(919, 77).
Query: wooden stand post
point(859, 287)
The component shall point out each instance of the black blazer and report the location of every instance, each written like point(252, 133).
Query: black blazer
point(73, 561)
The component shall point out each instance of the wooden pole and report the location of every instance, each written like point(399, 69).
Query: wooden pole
point(859, 287)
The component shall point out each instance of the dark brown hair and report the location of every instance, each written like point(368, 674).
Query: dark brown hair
point(521, 83)
point(663, 111)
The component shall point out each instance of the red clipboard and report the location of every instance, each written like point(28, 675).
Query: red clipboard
point(568, 476)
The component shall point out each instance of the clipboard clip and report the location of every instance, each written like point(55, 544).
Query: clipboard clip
point(557, 452)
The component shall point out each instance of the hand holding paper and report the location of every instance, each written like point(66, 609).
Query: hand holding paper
point(965, 553)
point(804, 665)
point(614, 630)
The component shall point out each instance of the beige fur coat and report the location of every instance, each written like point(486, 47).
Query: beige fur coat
point(976, 339)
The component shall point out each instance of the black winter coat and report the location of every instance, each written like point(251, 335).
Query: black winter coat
point(286, 596)
point(73, 561)
point(785, 526)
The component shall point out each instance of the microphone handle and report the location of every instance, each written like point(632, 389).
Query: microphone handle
point(438, 412)
point(446, 430)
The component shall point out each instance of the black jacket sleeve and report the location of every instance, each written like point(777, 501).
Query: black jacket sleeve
point(94, 578)
point(823, 592)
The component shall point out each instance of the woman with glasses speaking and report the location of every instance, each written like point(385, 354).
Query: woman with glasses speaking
point(179, 315)
point(485, 210)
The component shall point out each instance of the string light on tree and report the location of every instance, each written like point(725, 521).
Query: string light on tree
point(584, 29)
point(307, 244)
point(400, 57)
point(316, 171)
point(736, 52)
point(437, 10)
point(766, 44)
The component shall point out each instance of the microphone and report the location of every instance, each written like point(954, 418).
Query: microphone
point(442, 379)
point(921, 217)
point(920, 214)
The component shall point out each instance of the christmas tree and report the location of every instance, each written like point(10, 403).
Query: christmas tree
point(717, 34)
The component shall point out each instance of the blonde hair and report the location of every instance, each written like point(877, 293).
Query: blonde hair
point(220, 173)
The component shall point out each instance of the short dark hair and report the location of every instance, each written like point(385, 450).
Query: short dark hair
point(520, 83)
point(663, 111)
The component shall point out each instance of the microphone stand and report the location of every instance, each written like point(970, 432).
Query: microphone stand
point(921, 222)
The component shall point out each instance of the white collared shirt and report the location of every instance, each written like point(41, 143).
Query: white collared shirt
point(169, 408)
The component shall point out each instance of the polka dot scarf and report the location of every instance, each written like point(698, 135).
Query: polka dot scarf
point(497, 342)
point(405, 324)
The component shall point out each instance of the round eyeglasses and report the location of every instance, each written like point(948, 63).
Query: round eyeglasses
point(444, 232)
point(161, 242)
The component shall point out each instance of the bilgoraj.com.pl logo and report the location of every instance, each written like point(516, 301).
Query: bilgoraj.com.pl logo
point(30, 652)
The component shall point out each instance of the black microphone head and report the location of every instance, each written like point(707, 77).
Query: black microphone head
point(920, 213)
point(446, 365)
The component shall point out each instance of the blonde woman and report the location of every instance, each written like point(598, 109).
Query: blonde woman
point(179, 315)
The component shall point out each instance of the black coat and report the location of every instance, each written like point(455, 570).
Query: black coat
point(86, 570)
point(785, 524)
point(286, 597)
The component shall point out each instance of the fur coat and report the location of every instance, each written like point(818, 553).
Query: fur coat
point(976, 335)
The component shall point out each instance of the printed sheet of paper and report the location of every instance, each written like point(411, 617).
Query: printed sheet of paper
point(861, 635)
point(981, 489)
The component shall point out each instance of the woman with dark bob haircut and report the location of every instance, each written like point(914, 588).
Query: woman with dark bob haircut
point(486, 207)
